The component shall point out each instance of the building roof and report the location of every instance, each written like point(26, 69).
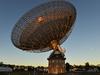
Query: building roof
point(57, 55)
point(5, 69)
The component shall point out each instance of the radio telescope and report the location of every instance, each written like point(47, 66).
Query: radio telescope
point(44, 27)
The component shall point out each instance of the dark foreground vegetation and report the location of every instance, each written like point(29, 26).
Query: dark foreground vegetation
point(32, 73)
point(87, 69)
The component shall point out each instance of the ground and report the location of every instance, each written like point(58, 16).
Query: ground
point(32, 73)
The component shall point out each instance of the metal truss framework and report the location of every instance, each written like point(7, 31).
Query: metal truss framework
point(47, 22)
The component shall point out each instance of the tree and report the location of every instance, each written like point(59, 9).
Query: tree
point(30, 68)
point(1, 64)
point(68, 66)
point(87, 66)
point(98, 67)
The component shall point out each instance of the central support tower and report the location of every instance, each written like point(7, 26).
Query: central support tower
point(56, 63)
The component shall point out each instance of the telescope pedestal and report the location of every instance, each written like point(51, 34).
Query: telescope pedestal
point(56, 63)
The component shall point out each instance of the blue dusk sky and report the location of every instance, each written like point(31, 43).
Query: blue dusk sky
point(83, 45)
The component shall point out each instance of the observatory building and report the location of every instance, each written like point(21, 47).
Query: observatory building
point(56, 63)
